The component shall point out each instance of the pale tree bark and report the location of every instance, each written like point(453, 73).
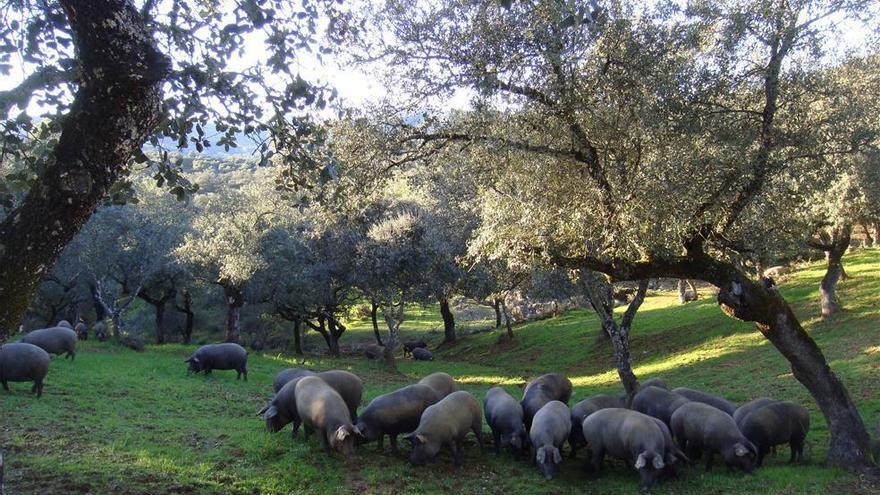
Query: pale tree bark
point(234, 301)
point(834, 244)
point(116, 308)
point(506, 315)
point(117, 105)
point(394, 316)
point(597, 294)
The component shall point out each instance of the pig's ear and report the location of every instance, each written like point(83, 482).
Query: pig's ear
point(341, 434)
point(740, 450)
point(270, 412)
point(658, 462)
point(557, 457)
point(413, 438)
point(541, 456)
point(640, 461)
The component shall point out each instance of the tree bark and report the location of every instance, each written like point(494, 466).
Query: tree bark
point(297, 337)
point(190, 316)
point(682, 292)
point(117, 105)
point(234, 302)
point(496, 305)
point(507, 323)
point(335, 331)
point(374, 310)
point(159, 304)
point(834, 251)
point(597, 292)
point(448, 321)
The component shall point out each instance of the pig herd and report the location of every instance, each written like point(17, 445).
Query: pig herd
point(661, 433)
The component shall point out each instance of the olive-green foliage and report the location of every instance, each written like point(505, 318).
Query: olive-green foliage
point(116, 421)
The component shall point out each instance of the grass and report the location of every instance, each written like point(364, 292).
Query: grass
point(116, 421)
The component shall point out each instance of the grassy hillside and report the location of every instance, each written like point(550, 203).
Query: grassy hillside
point(116, 421)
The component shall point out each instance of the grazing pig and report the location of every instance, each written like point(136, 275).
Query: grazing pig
point(674, 457)
point(282, 409)
point(23, 362)
point(700, 427)
point(549, 430)
point(744, 410)
point(441, 382)
point(82, 331)
point(713, 400)
point(227, 356)
point(286, 375)
point(395, 413)
point(446, 423)
point(776, 424)
point(542, 390)
point(64, 324)
point(629, 435)
point(348, 385)
point(101, 331)
point(322, 410)
point(657, 402)
point(583, 409)
point(420, 354)
point(410, 345)
point(55, 340)
point(374, 351)
point(504, 415)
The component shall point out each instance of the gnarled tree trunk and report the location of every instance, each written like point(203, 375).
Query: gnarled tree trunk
point(234, 302)
point(496, 305)
point(448, 321)
point(598, 291)
point(186, 309)
point(117, 105)
point(374, 317)
point(834, 244)
point(507, 323)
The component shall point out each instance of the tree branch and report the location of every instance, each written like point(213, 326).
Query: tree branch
point(42, 78)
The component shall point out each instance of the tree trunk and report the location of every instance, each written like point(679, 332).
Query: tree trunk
point(335, 331)
point(297, 337)
point(597, 290)
point(743, 299)
point(160, 322)
point(234, 302)
point(507, 319)
point(869, 239)
point(117, 105)
point(190, 316)
point(374, 310)
point(448, 321)
point(496, 305)
point(100, 311)
point(840, 239)
point(682, 292)
point(693, 288)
